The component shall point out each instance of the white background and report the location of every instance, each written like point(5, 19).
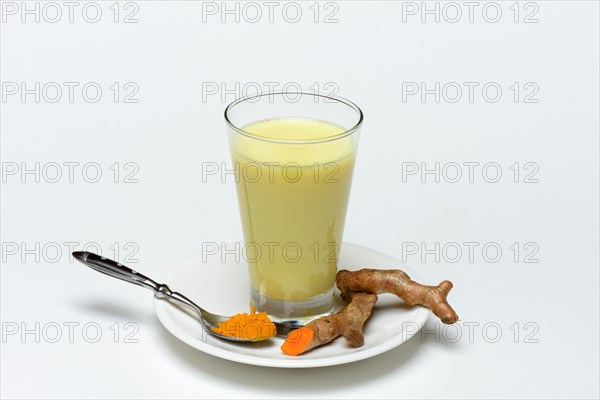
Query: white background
point(372, 55)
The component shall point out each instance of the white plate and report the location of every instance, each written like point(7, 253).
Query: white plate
point(221, 286)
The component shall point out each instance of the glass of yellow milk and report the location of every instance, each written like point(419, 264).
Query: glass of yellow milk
point(293, 155)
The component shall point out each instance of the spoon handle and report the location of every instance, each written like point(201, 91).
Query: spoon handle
point(115, 269)
point(120, 271)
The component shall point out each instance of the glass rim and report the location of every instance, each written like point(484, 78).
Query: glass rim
point(337, 99)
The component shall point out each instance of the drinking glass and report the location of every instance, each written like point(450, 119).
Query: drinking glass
point(293, 155)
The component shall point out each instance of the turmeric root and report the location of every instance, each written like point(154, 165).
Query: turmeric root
point(348, 323)
point(360, 289)
point(399, 283)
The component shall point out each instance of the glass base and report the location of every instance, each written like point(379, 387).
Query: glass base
point(301, 312)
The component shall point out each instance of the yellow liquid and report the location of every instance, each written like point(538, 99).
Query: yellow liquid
point(293, 200)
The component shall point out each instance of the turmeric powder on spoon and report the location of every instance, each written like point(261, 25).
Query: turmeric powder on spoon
point(253, 327)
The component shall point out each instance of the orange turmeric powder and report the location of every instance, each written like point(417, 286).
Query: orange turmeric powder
point(254, 327)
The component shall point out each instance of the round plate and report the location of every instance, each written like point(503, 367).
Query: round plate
point(219, 283)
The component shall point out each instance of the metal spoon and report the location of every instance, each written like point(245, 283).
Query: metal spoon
point(162, 291)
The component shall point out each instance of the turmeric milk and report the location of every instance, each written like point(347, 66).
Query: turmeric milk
point(293, 179)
